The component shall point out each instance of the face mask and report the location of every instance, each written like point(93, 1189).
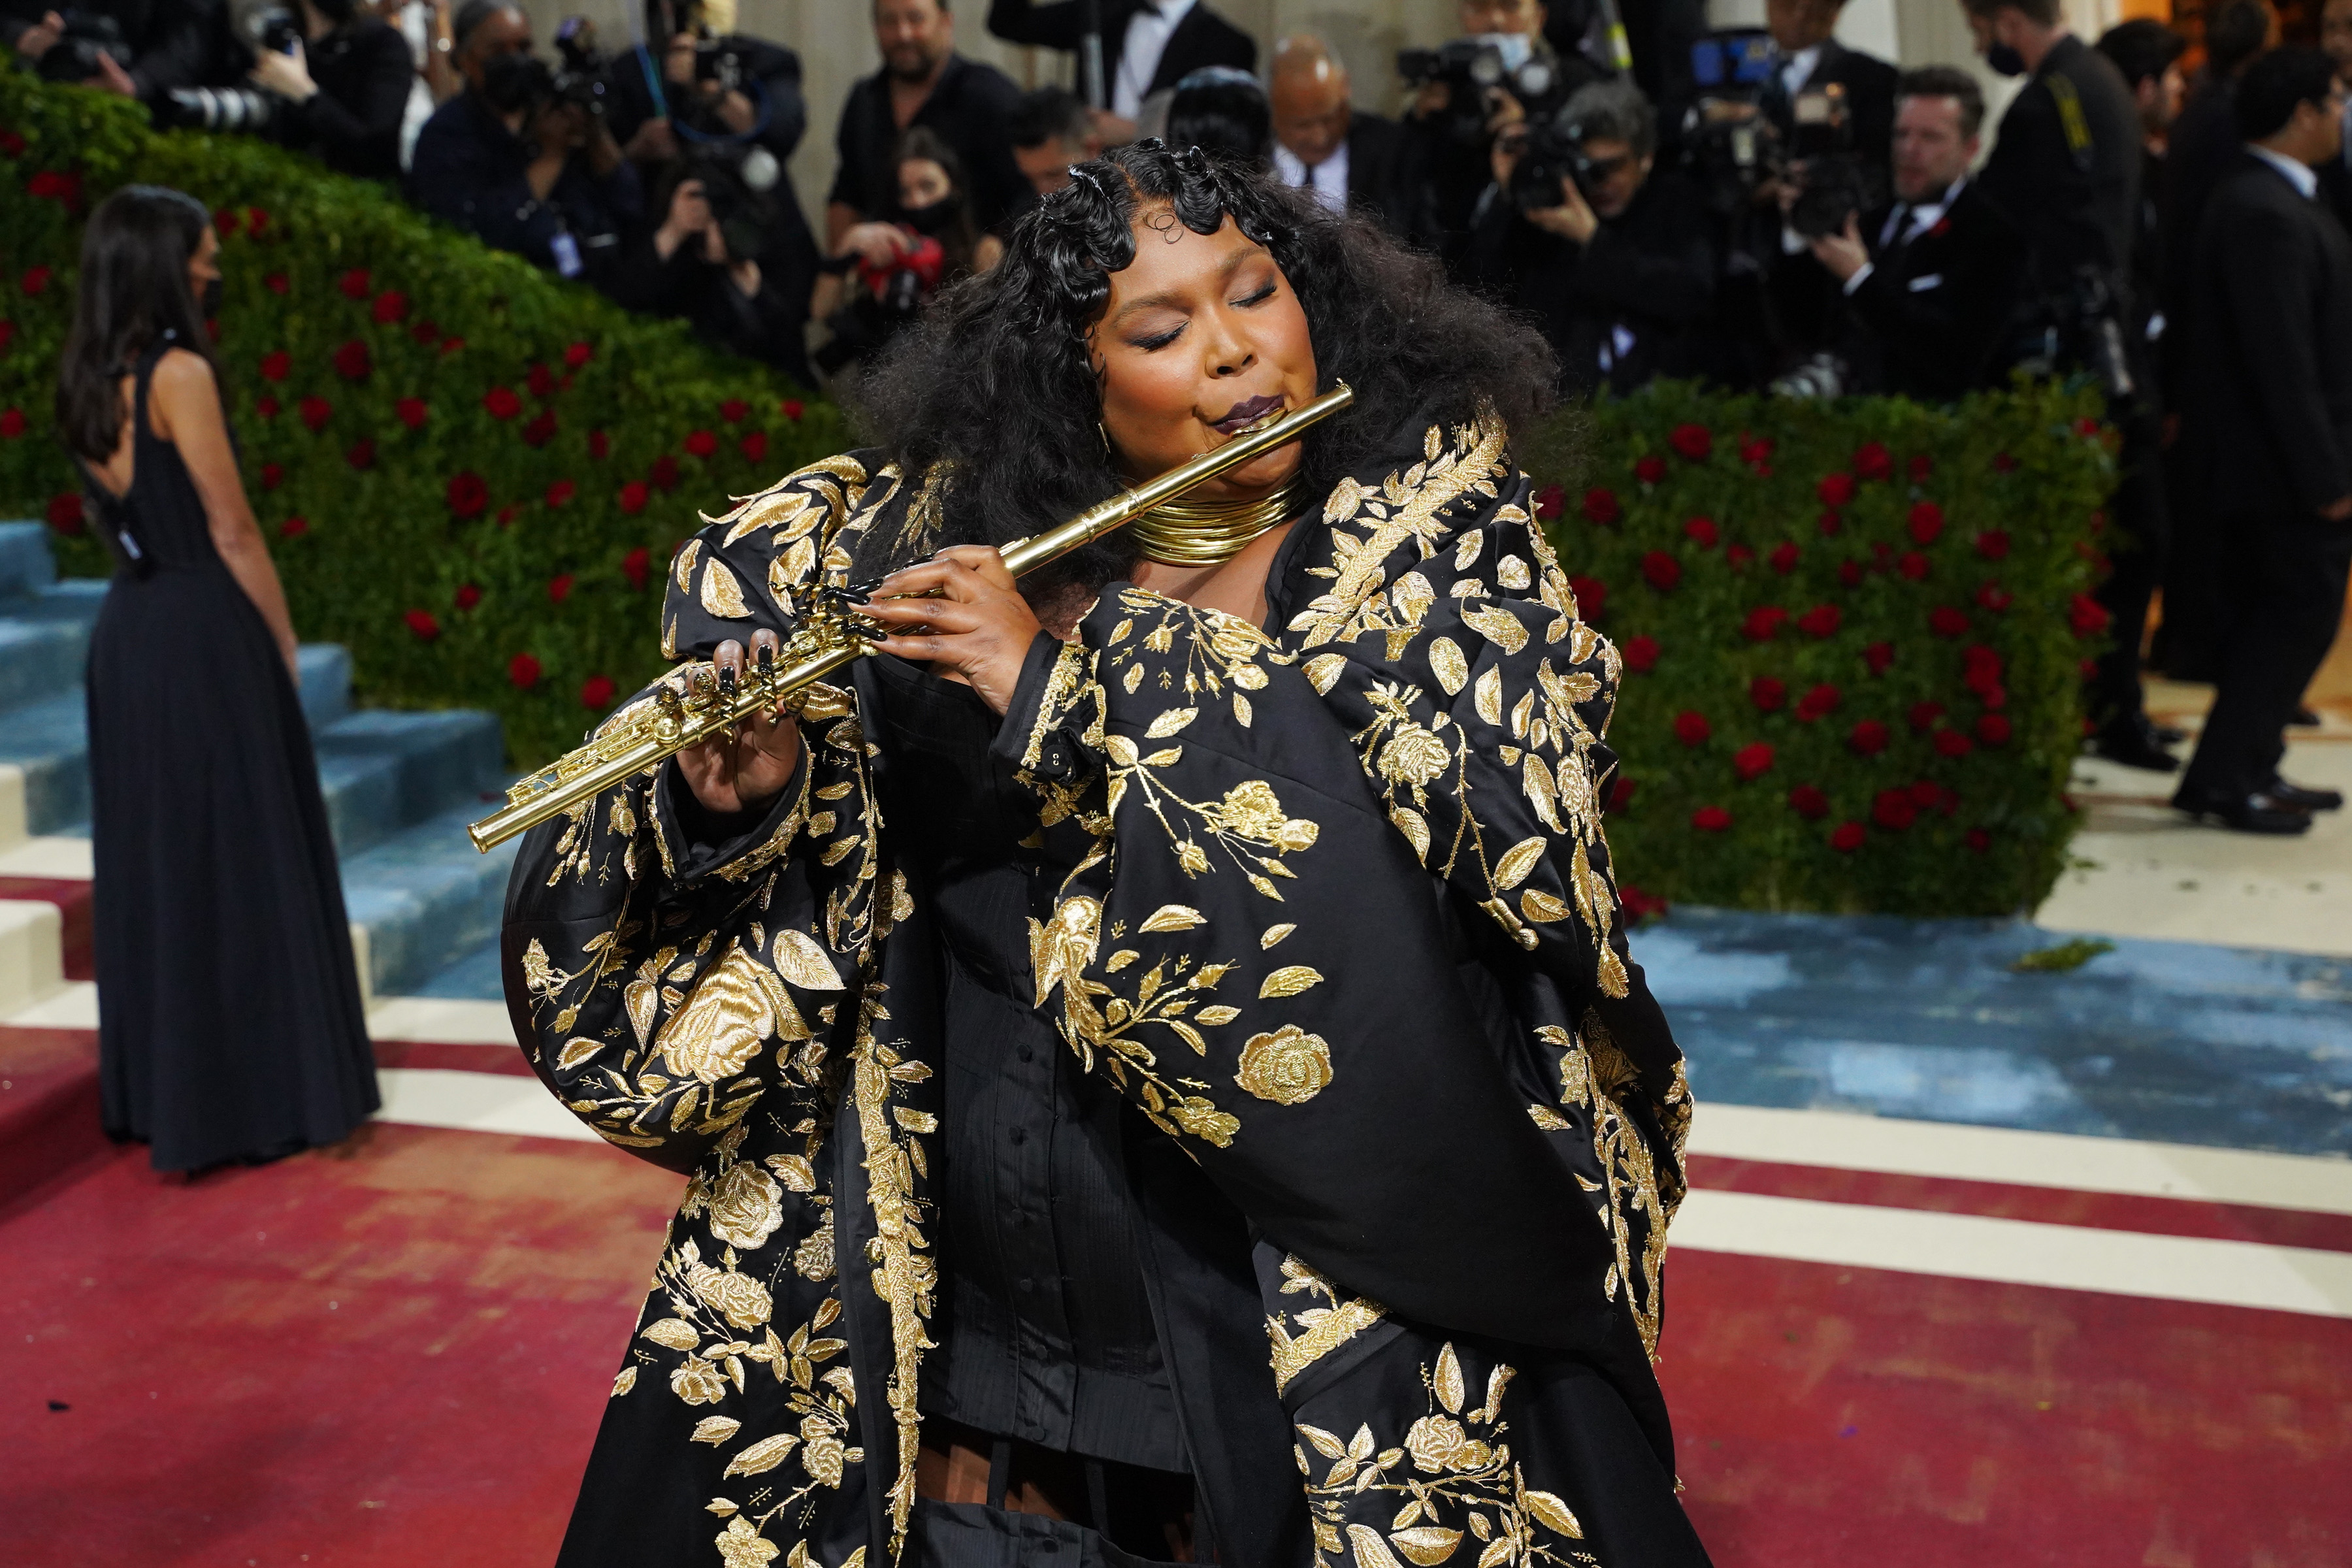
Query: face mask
point(2004, 61)
point(208, 299)
point(931, 219)
point(1515, 47)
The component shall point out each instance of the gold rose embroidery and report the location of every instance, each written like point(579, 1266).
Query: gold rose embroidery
point(1289, 1067)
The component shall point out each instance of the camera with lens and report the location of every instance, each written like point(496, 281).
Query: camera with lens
point(1471, 70)
point(248, 110)
point(739, 182)
point(86, 35)
point(1554, 151)
point(1732, 146)
point(581, 78)
point(2079, 329)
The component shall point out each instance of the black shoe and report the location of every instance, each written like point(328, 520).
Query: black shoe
point(2294, 797)
point(2167, 734)
point(2254, 814)
point(2134, 744)
point(2304, 719)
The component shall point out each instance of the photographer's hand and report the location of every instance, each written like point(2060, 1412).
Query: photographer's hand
point(1503, 111)
point(653, 142)
point(879, 243)
point(689, 214)
point(1572, 220)
point(1430, 98)
point(41, 36)
point(112, 78)
point(2338, 510)
point(596, 137)
point(1842, 253)
point(288, 76)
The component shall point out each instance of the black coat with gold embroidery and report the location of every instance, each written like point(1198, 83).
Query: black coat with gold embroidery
point(1332, 906)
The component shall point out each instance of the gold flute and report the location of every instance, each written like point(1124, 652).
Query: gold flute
point(831, 634)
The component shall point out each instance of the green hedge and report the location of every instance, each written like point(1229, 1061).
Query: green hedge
point(473, 475)
point(1853, 637)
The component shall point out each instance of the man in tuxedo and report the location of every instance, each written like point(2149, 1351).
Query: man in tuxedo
point(1930, 282)
point(1348, 158)
point(923, 82)
point(1147, 45)
point(2270, 389)
point(1816, 76)
point(2336, 174)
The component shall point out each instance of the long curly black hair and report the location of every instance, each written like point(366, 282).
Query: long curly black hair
point(996, 384)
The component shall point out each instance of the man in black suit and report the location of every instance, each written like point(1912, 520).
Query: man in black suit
point(1348, 158)
point(2271, 387)
point(923, 82)
point(1147, 45)
point(1931, 281)
point(1817, 81)
point(2336, 174)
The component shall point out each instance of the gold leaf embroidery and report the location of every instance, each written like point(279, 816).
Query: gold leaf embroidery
point(722, 595)
point(1428, 1545)
point(762, 1455)
point(671, 1333)
point(1169, 722)
point(1488, 697)
point(684, 567)
point(1497, 626)
point(1518, 861)
point(1415, 829)
point(1323, 670)
point(1273, 934)
point(1554, 1513)
point(1446, 658)
point(1449, 1379)
point(1174, 917)
point(801, 960)
point(1288, 981)
point(1542, 906)
point(716, 1429)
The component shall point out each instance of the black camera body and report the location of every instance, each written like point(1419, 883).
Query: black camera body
point(1732, 143)
point(1554, 151)
point(525, 81)
point(276, 30)
point(87, 34)
point(1471, 70)
point(738, 181)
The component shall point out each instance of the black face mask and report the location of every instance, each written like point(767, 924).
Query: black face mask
point(940, 214)
point(2004, 61)
point(208, 299)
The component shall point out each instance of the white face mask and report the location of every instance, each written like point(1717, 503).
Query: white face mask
point(1515, 47)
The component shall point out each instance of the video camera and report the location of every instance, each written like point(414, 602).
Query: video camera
point(88, 34)
point(1733, 143)
point(1471, 70)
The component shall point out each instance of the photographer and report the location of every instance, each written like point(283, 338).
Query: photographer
point(139, 48)
point(886, 270)
point(702, 266)
point(326, 80)
point(1928, 284)
point(1816, 81)
point(1616, 263)
point(521, 158)
point(1050, 130)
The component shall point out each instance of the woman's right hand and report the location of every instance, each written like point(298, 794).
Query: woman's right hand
point(878, 244)
point(744, 770)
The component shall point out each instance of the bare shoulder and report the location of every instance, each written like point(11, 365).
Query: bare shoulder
point(184, 389)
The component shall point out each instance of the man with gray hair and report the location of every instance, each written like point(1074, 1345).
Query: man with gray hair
point(1613, 258)
point(1349, 158)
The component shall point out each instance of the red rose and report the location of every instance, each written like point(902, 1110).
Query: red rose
point(426, 333)
point(558, 587)
point(1767, 693)
point(1979, 659)
point(1912, 565)
point(276, 282)
point(1835, 490)
point(1922, 715)
point(2002, 463)
point(733, 409)
point(2086, 426)
point(1692, 729)
point(1819, 703)
point(275, 364)
point(66, 514)
point(412, 412)
point(1641, 654)
point(1808, 802)
point(1978, 839)
point(541, 429)
point(1701, 531)
point(361, 454)
point(560, 493)
point(1592, 596)
point(1754, 449)
point(421, 622)
point(1952, 743)
point(790, 408)
point(1662, 570)
point(2087, 615)
point(1650, 468)
point(1752, 763)
point(47, 184)
point(315, 412)
point(1763, 623)
point(1869, 737)
point(1927, 523)
point(12, 423)
point(1831, 524)
point(1821, 621)
point(1921, 466)
point(600, 445)
point(501, 403)
point(294, 528)
point(1620, 793)
point(266, 406)
point(1993, 596)
point(225, 221)
point(355, 283)
point(596, 692)
point(701, 443)
point(11, 145)
point(1850, 573)
point(468, 595)
point(1847, 836)
point(506, 514)
point(36, 280)
point(577, 355)
point(1711, 819)
point(1992, 544)
point(1783, 558)
point(755, 447)
point(256, 221)
point(1548, 501)
point(1601, 506)
point(664, 472)
point(467, 494)
point(272, 476)
point(523, 672)
point(632, 497)
point(1741, 557)
point(1947, 622)
point(1892, 810)
point(1873, 461)
point(1992, 729)
point(541, 380)
point(390, 306)
point(636, 566)
point(1693, 442)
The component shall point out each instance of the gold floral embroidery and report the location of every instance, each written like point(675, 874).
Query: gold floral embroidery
point(1289, 1067)
point(1313, 1332)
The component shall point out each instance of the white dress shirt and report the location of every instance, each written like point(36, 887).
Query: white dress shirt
point(1906, 223)
point(2300, 176)
point(1148, 32)
point(1327, 179)
point(1798, 69)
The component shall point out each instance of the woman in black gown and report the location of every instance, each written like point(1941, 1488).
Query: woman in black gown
point(230, 1024)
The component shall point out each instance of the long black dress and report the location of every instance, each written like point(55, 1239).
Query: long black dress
point(229, 1017)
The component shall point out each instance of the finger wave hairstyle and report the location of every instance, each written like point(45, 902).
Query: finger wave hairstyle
point(996, 381)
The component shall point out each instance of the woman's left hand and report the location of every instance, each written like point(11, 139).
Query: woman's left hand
point(982, 630)
point(287, 75)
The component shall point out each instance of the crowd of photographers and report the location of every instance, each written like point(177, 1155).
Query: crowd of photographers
point(1762, 208)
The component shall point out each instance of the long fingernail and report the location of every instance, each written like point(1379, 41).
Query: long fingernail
point(767, 655)
point(727, 680)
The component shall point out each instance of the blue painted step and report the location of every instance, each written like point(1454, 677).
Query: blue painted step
point(25, 564)
point(427, 897)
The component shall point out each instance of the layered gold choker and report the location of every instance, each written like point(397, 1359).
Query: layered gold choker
point(1209, 533)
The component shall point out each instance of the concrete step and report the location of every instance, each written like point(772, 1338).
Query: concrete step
point(426, 898)
point(32, 963)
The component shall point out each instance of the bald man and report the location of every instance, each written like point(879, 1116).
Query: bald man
point(1348, 158)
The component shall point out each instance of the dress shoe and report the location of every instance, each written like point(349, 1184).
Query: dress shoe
point(2294, 797)
point(2133, 743)
point(2254, 814)
point(2303, 718)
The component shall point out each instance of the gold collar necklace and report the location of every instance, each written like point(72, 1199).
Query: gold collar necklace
point(1211, 533)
